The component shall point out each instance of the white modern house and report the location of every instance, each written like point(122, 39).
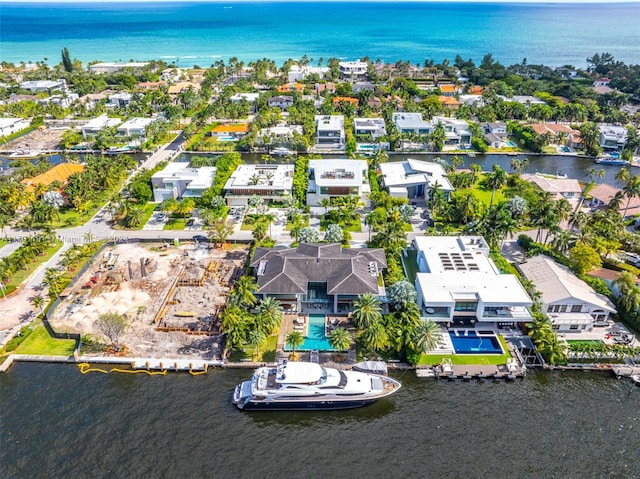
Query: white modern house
point(456, 131)
point(64, 101)
point(570, 303)
point(353, 70)
point(280, 101)
point(119, 100)
point(271, 182)
point(333, 178)
point(411, 123)
point(36, 86)
point(93, 127)
point(9, 126)
point(179, 180)
point(135, 126)
point(612, 137)
point(459, 285)
point(330, 131)
point(281, 134)
point(414, 178)
point(300, 72)
point(108, 67)
point(369, 127)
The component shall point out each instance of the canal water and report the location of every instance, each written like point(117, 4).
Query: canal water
point(56, 422)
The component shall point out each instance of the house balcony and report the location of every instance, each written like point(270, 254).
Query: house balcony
point(436, 312)
point(518, 313)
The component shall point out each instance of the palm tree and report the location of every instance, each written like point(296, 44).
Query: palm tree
point(255, 339)
point(242, 292)
point(270, 314)
point(340, 339)
point(233, 324)
point(295, 340)
point(427, 336)
point(297, 223)
point(259, 231)
point(631, 190)
point(53, 280)
point(496, 179)
point(219, 232)
point(623, 175)
point(38, 301)
point(366, 311)
point(375, 337)
point(629, 293)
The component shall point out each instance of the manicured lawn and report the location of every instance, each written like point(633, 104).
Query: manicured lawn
point(584, 341)
point(23, 274)
point(482, 194)
point(39, 342)
point(353, 227)
point(267, 351)
point(479, 359)
point(176, 224)
point(411, 265)
point(149, 208)
point(305, 223)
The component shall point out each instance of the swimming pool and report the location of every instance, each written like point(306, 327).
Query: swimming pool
point(315, 338)
point(510, 144)
point(226, 138)
point(468, 342)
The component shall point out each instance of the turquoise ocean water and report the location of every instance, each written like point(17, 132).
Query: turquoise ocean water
point(200, 33)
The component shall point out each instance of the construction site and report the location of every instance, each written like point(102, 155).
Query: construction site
point(172, 297)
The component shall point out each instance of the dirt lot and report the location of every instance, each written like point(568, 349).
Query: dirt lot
point(170, 295)
point(44, 140)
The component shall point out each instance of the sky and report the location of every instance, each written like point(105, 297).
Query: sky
point(272, 1)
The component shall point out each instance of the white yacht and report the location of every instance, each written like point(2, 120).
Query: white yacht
point(302, 385)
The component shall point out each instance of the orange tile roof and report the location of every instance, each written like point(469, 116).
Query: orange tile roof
point(476, 90)
point(448, 100)
point(448, 88)
point(345, 99)
point(241, 128)
point(60, 173)
point(291, 87)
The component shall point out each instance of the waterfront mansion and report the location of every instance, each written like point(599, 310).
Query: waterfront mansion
point(459, 285)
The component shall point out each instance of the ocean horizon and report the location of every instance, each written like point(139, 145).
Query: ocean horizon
point(199, 33)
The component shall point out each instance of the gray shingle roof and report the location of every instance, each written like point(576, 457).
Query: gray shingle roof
point(346, 271)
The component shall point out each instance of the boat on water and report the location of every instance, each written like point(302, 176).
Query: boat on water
point(281, 152)
point(308, 386)
point(611, 159)
point(25, 155)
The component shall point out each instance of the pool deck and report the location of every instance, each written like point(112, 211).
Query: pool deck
point(469, 371)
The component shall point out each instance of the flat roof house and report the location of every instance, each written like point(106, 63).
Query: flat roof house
point(456, 131)
point(179, 180)
point(612, 137)
point(35, 86)
point(458, 284)
point(300, 72)
point(280, 101)
point(369, 127)
point(93, 127)
point(250, 98)
point(570, 303)
point(334, 178)
point(318, 275)
point(353, 70)
point(119, 100)
point(414, 178)
point(411, 123)
point(135, 126)
point(271, 182)
point(330, 131)
point(9, 126)
point(108, 67)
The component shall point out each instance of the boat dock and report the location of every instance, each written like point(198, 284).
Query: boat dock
point(467, 372)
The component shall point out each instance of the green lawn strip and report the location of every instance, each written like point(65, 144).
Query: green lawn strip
point(584, 341)
point(18, 278)
point(411, 265)
point(69, 216)
point(40, 343)
point(175, 224)
point(267, 351)
point(461, 359)
point(353, 227)
point(149, 208)
point(305, 223)
point(4, 242)
point(482, 194)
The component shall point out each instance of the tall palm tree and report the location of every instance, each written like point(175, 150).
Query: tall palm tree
point(38, 301)
point(427, 336)
point(270, 314)
point(340, 339)
point(623, 175)
point(375, 337)
point(295, 340)
point(366, 311)
point(255, 339)
point(243, 291)
point(628, 292)
point(496, 179)
point(631, 190)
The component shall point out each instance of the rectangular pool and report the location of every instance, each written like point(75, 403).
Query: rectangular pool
point(315, 338)
point(471, 343)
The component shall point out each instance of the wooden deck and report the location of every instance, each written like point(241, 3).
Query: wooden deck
point(468, 372)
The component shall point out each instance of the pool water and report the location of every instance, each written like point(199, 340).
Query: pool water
point(315, 338)
point(474, 344)
point(226, 138)
point(510, 144)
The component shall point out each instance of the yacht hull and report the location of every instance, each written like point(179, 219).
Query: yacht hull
point(253, 405)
